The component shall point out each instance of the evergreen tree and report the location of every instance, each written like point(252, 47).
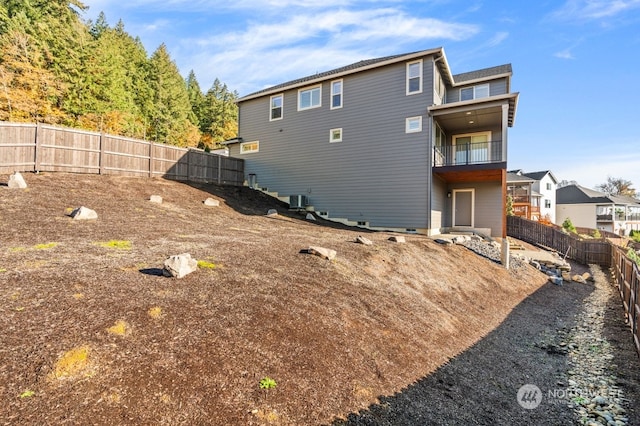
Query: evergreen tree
point(220, 120)
point(171, 108)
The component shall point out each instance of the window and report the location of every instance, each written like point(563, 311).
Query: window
point(276, 107)
point(474, 92)
point(414, 77)
point(413, 124)
point(249, 147)
point(441, 90)
point(547, 204)
point(335, 135)
point(309, 98)
point(336, 94)
point(548, 186)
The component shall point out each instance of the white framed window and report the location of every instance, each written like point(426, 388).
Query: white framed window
point(414, 77)
point(249, 147)
point(548, 186)
point(413, 124)
point(310, 97)
point(335, 135)
point(336, 94)
point(276, 107)
point(547, 204)
point(474, 92)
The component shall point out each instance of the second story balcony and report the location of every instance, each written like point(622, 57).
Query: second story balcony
point(469, 154)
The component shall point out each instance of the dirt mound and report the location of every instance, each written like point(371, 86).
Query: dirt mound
point(334, 335)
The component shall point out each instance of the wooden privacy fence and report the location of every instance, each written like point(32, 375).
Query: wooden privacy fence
point(625, 272)
point(580, 250)
point(39, 147)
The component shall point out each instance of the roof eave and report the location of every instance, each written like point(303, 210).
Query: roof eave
point(313, 81)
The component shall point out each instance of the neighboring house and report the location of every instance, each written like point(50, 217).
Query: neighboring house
point(596, 210)
point(543, 194)
point(395, 143)
point(525, 202)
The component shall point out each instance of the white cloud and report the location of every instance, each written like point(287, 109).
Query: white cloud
point(564, 54)
point(594, 9)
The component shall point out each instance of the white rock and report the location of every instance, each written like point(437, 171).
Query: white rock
point(210, 202)
point(156, 199)
point(362, 240)
point(310, 216)
point(398, 239)
point(322, 252)
point(272, 212)
point(84, 213)
point(179, 265)
point(16, 181)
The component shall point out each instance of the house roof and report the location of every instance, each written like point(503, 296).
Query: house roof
point(576, 194)
point(482, 74)
point(351, 69)
point(516, 178)
point(541, 174)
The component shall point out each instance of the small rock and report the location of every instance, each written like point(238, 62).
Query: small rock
point(210, 202)
point(566, 276)
point(272, 212)
point(83, 213)
point(578, 279)
point(310, 216)
point(555, 280)
point(398, 239)
point(322, 252)
point(362, 240)
point(600, 400)
point(443, 241)
point(588, 277)
point(156, 199)
point(179, 265)
point(16, 181)
point(535, 264)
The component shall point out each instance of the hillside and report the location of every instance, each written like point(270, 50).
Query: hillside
point(94, 331)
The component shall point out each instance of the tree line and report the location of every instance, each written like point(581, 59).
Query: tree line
point(56, 68)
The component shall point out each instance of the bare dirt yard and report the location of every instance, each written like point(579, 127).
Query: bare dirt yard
point(392, 333)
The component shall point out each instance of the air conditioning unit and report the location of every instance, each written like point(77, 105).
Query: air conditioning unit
point(297, 201)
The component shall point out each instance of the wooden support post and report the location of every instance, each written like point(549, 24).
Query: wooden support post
point(101, 155)
point(219, 169)
point(151, 159)
point(36, 152)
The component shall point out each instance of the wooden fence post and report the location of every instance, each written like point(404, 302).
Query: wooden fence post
point(36, 150)
point(101, 155)
point(219, 169)
point(151, 159)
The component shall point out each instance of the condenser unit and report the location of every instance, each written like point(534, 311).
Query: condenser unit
point(297, 201)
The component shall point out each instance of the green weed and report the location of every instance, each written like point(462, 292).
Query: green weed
point(267, 383)
point(115, 244)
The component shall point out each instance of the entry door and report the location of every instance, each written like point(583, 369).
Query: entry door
point(463, 207)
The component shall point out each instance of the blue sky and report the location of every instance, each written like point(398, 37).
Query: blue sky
point(576, 63)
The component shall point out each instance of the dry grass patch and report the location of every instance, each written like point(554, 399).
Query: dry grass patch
point(120, 328)
point(155, 312)
point(72, 363)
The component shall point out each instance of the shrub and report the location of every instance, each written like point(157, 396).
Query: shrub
point(596, 234)
point(568, 226)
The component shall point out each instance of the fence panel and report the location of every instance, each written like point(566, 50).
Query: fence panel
point(67, 150)
point(31, 147)
point(17, 147)
point(627, 278)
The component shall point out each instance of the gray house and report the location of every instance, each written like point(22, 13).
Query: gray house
point(395, 143)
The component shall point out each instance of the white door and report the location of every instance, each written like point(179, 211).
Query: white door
point(472, 148)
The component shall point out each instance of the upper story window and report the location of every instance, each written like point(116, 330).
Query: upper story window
point(413, 124)
point(335, 135)
point(336, 94)
point(474, 92)
point(440, 89)
point(414, 77)
point(276, 107)
point(548, 186)
point(309, 98)
point(249, 147)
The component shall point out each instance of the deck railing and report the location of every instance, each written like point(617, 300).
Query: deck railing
point(468, 154)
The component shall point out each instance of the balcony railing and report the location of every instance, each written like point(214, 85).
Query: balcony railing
point(468, 154)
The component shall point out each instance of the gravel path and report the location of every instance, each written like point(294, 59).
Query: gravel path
point(568, 344)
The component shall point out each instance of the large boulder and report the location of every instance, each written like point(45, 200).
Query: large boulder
point(16, 181)
point(83, 213)
point(179, 265)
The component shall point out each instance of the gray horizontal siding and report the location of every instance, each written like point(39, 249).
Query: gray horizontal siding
point(378, 173)
point(488, 205)
point(496, 87)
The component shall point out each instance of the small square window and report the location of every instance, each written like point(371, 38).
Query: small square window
point(413, 124)
point(335, 135)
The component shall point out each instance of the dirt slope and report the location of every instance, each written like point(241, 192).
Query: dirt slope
point(334, 335)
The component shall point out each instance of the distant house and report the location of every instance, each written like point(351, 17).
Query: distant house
point(540, 200)
point(593, 209)
point(524, 201)
point(395, 143)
